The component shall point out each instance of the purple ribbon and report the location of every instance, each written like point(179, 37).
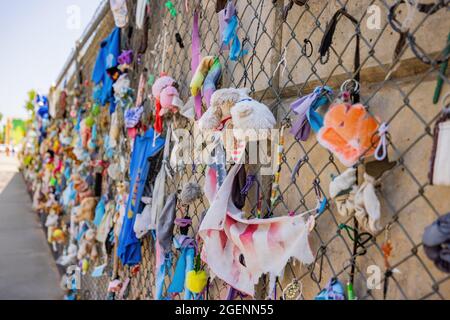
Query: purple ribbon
point(183, 223)
point(301, 129)
point(248, 184)
point(186, 242)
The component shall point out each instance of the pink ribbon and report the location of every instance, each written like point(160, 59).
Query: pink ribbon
point(196, 61)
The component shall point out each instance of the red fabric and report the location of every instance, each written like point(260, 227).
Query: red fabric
point(158, 119)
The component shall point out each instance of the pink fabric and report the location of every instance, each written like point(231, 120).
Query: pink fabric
point(141, 91)
point(196, 61)
point(132, 133)
point(266, 244)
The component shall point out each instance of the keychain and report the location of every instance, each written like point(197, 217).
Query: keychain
point(293, 290)
point(350, 132)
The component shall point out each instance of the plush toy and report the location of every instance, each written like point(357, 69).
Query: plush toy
point(122, 86)
point(196, 281)
point(51, 224)
point(200, 74)
point(115, 286)
point(114, 131)
point(218, 115)
point(85, 133)
point(160, 84)
point(70, 257)
point(86, 210)
point(249, 114)
point(82, 188)
point(58, 236)
point(87, 246)
point(170, 100)
point(350, 132)
point(84, 266)
point(212, 81)
point(190, 193)
point(142, 224)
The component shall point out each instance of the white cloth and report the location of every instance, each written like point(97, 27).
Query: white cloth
point(120, 12)
point(441, 173)
point(367, 205)
point(106, 224)
point(140, 13)
point(143, 222)
point(362, 200)
point(343, 182)
point(266, 244)
point(159, 188)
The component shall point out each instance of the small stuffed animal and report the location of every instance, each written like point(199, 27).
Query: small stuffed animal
point(70, 257)
point(82, 188)
point(249, 114)
point(85, 133)
point(58, 236)
point(88, 247)
point(51, 223)
point(190, 193)
point(200, 74)
point(196, 281)
point(86, 211)
point(220, 110)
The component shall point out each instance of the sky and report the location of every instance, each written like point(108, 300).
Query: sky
point(37, 37)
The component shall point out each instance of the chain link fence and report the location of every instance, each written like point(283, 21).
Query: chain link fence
point(282, 64)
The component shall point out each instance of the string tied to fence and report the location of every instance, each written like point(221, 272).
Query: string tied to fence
point(248, 184)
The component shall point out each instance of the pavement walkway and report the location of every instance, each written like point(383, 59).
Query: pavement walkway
point(27, 268)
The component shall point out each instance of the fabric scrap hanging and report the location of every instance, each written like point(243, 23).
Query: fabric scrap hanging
point(129, 248)
point(439, 173)
point(106, 59)
point(229, 23)
point(436, 238)
point(240, 251)
point(133, 117)
point(140, 13)
point(148, 220)
point(164, 238)
point(196, 60)
point(360, 201)
point(120, 12)
point(306, 109)
point(166, 223)
point(184, 265)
